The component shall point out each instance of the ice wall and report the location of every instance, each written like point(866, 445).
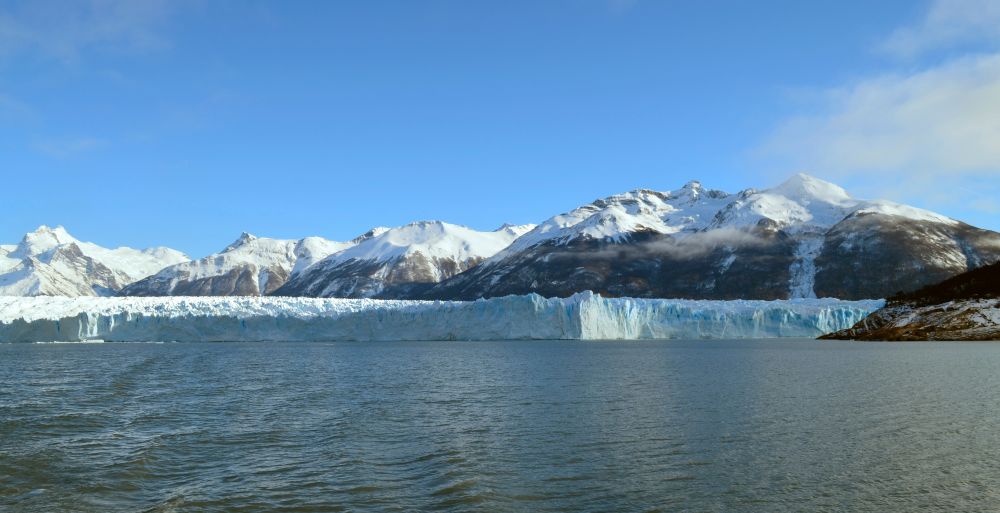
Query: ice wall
point(630, 318)
point(582, 316)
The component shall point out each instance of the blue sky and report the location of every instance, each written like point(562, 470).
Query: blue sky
point(184, 123)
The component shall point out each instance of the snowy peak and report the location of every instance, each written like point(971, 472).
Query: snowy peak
point(807, 189)
point(250, 266)
point(433, 239)
point(311, 250)
point(398, 261)
point(57, 233)
point(50, 261)
point(694, 191)
point(808, 203)
point(374, 232)
point(41, 240)
point(616, 218)
point(801, 202)
point(515, 230)
point(244, 239)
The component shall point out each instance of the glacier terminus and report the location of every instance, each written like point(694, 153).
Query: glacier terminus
point(583, 316)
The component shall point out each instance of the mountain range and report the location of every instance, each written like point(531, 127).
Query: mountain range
point(803, 238)
point(401, 262)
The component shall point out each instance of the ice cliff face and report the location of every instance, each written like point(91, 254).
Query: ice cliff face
point(582, 316)
point(803, 238)
point(50, 262)
point(250, 266)
point(400, 262)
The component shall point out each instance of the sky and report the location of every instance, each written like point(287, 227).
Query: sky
point(184, 123)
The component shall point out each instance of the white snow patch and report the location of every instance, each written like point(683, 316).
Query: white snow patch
point(802, 281)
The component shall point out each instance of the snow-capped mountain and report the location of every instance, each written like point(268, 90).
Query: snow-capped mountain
point(803, 238)
point(250, 266)
point(50, 262)
point(400, 262)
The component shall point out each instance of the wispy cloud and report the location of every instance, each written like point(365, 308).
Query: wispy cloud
point(66, 30)
point(989, 205)
point(688, 246)
point(944, 118)
point(68, 147)
point(947, 23)
point(923, 132)
point(13, 107)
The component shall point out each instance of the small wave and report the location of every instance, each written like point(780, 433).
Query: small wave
point(71, 342)
point(455, 488)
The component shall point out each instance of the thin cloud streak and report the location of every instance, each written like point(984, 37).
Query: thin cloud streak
point(65, 31)
point(947, 23)
point(64, 148)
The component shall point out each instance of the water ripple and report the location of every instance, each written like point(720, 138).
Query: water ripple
point(507, 426)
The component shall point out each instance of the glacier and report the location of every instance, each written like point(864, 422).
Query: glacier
point(583, 316)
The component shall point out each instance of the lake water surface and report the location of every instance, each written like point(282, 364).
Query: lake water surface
point(500, 426)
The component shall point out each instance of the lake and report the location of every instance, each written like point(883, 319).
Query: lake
point(774, 425)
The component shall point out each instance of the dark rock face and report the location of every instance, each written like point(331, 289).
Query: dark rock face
point(150, 286)
point(965, 307)
point(981, 283)
point(244, 280)
point(404, 277)
point(104, 281)
point(865, 256)
point(871, 256)
point(101, 280)
point(645, 265)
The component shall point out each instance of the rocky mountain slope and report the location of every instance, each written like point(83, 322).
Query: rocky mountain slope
point(400, 262)
point(51, 262)
point(803, 238)
point(965, 307)
point(250, 266)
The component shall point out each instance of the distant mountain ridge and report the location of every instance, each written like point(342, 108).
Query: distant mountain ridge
point(250, 266)
point(801, 239)
point(401, 262)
